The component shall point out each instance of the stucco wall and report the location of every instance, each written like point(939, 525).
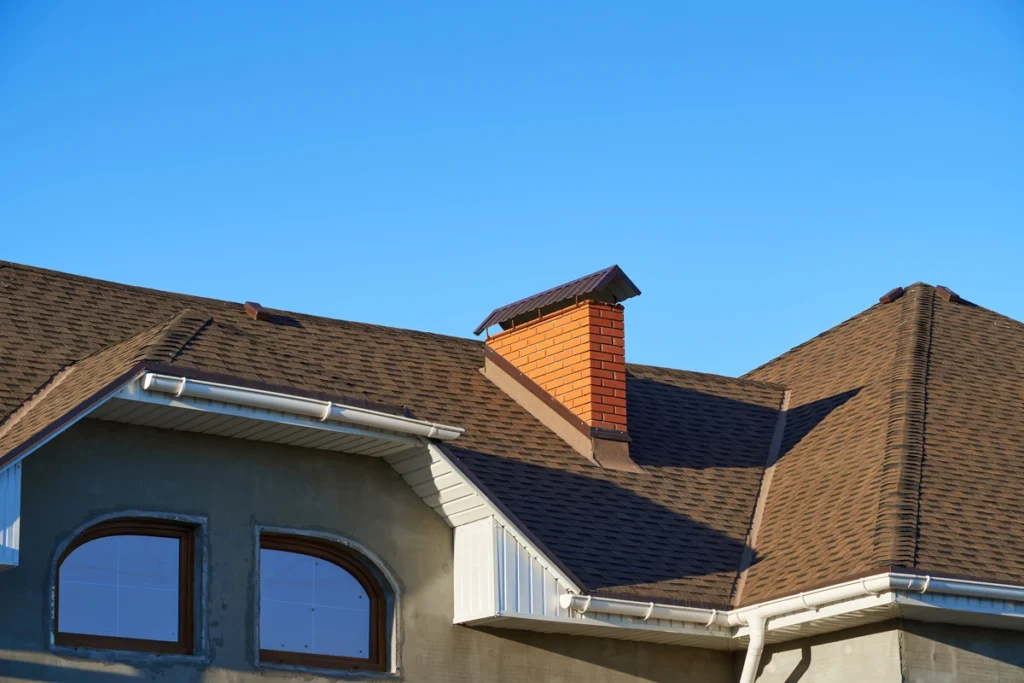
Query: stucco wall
point(870, 653)
point(943, 653)
point(99, 468)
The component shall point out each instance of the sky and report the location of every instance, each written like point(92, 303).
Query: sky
point(762, 171)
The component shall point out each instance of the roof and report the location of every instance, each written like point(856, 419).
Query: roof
point(610, 284)
point(902, 447)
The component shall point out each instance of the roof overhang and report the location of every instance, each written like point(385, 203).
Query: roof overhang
point(217, 408)
point(165, 397)
point(149, 396)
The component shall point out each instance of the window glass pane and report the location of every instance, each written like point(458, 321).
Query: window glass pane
point(311, 605)
point(286, 577)
point(285, 626)
point(124, 586)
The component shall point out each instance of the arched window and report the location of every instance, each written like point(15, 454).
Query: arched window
point(127, 584)
point(320, 606)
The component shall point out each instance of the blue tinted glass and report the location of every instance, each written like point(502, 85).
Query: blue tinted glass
point(341, 632)
point(286, 626)
point(125, 586)
point(148, 614)
point(88, 609)
point(286, 577)
point(311, 605)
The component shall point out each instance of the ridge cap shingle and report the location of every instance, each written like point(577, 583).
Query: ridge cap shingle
point(156, 343)
point(899, 491)
point(835, 329)
point(175, 333)
point(200, 301)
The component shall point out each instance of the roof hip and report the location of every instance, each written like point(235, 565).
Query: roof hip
point(899, 493)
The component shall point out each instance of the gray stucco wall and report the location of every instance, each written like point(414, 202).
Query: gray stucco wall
point(870, 653)
point(943, 653)
point(99, 468)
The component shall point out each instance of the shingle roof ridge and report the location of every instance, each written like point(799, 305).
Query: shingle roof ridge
point(835, 329)
point(114, 284)
point(724, 379)
point(198, 301)
point(171, 335)
point(80, 383)
point(12, 418)
point(898, 517)
point(176, 333)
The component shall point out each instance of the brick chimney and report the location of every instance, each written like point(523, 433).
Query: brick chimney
point(561, 355)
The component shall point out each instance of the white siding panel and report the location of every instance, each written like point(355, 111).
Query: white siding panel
point(429, 473)
point(469, 501)
point(435, 500)
point(10, 515)
point(438, 484)
point(537, 601)
point(550, 605)
point(519, 582)
point(475, 590)
point(468, 516)
point(510, 572)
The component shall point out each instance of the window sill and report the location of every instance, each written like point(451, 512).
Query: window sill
point(127, 656)
point(338, 674)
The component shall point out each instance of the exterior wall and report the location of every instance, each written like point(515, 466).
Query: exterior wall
point(870, 653)
point(578, 356)
point(99, 468)
point(943, 653)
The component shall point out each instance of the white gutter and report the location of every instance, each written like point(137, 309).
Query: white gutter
point(757, 617)
point(581, 604)
point(296, 405)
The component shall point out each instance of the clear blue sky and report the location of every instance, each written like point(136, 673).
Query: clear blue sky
point(761, 170)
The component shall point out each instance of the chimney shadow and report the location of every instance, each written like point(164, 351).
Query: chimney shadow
point(675, 533)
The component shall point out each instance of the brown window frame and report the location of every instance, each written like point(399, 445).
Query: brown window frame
point(352, 563)
point(160, 528)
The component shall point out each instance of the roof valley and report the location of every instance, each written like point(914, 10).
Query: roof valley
point(757, 514)
point(900, 476)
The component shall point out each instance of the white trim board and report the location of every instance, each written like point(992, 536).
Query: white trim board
point(10, 515)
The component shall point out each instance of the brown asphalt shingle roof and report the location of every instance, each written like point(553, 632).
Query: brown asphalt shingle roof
point(902, 445)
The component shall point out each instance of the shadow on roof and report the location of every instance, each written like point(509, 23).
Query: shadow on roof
point(673, 426)
point(615, 538)
point(676, 533)
point(801, 420)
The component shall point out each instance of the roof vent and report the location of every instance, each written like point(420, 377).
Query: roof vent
point(947, 294)
point(255, 311)
point(891, 296)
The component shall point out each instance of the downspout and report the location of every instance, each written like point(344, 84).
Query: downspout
point(756, 623)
